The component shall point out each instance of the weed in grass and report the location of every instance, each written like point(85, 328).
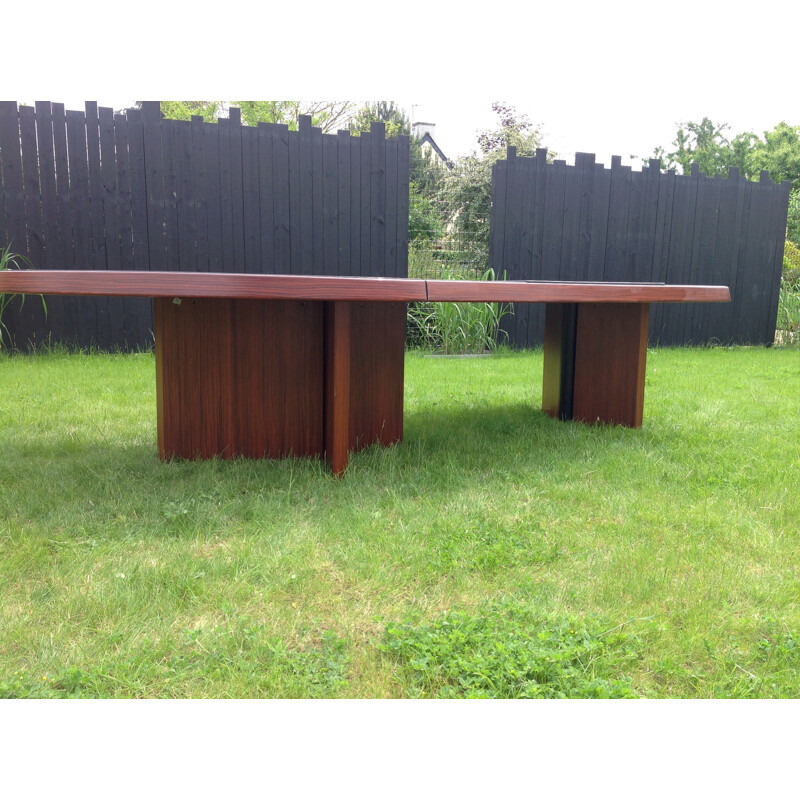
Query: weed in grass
point(504, 651)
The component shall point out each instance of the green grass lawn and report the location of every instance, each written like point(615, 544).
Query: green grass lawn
point(495, 552)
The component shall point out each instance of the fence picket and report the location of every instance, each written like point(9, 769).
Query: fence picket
point(53, 254)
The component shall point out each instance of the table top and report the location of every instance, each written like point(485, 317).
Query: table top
point(129, 283)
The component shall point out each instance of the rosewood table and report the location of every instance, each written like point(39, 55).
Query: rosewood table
point(268, 366)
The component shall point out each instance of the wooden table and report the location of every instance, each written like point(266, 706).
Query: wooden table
point(269, 366)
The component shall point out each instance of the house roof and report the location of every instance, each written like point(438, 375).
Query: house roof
point(428, 139)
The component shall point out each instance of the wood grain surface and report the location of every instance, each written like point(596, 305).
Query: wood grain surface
point(209, 284)
point(327, 287)
point(572, 292)
point(239, 378)
point(610, 356)
point(364, 365)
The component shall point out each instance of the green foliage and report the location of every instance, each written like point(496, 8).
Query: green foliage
point(706, 144)
point(384, 111)
point(424, 224)
point(703, 143)
point(506, 651)
point(740, 154)
point(793, 218)
point(209, 110)
point(469, 190)
point(791, 263)
point(469, 186)
point(328, 115)
point(788, 321)
point(779, 154)
point(422, 264)
point(456, 328)
point(255, 111)
point(428, 173)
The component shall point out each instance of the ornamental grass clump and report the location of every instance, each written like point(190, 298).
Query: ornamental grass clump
point(457, 328)
point(9, 260)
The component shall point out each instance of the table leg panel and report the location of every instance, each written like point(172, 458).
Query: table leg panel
point(338, 392)
point(278, 378)
point(239, 378)
point(610, 357)
point(377, 364)
point(193, 378)
point(364, 365)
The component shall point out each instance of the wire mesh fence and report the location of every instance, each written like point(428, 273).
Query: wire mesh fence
point(448, 224)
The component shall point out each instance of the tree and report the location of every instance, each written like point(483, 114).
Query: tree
point(706, 144)
point(328, 115)
point(469, 186)
point(394, 120)
point(741, 154)
point(515, 131)
point(209, 110)
point(384, 111)
point(779, 154)
point(702, 143)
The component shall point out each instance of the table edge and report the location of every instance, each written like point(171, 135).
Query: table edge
point(124, 283)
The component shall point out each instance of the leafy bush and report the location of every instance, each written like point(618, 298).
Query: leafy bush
point(791, 263)
point(504, 651)
point(793, 219)
point(423, 222)
point(423, 263)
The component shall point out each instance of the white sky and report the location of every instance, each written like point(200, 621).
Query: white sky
point(608, 78)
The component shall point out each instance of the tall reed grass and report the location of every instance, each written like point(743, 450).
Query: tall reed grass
point(788, 322)
point(457, 328)
point(9, 260)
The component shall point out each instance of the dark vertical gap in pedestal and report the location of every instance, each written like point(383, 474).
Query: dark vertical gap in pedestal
point(568, 337)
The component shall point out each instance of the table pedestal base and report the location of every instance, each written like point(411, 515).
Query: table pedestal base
point(278, 378)
point(594, 362)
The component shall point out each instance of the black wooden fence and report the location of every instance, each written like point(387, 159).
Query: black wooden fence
point(587, 222)
point(99, 190)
